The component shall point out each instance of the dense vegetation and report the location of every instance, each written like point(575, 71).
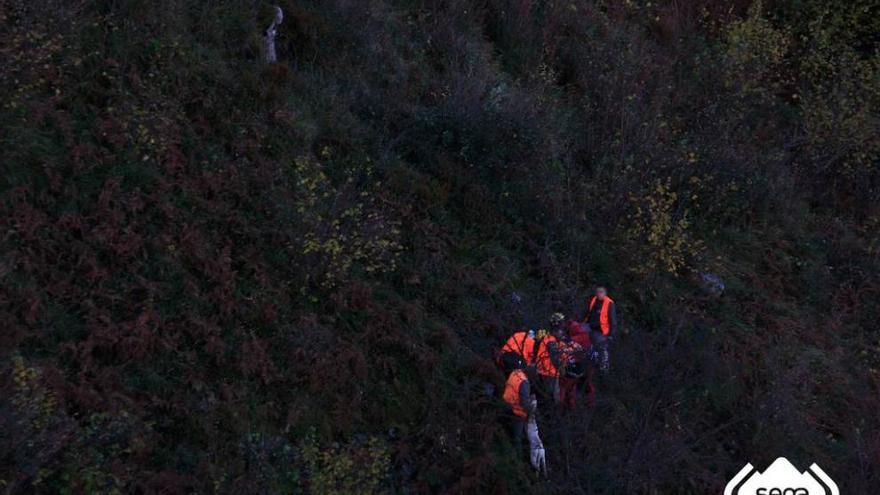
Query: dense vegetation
point(224, 276)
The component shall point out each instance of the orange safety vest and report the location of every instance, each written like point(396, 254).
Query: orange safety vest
point(604, 319)
point(545, 364)
point(521, 344)
point(511, 392)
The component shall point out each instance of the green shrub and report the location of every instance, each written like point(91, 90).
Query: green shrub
point(354, 468)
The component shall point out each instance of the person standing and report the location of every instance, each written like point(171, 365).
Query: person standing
point(518, 395)
point(577, 370)
point(547, 362)
point(574, 366)
point(601, 316)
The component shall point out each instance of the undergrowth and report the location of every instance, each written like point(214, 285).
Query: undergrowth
point(219, 276)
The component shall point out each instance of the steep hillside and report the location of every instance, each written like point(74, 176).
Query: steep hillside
point(219, 275)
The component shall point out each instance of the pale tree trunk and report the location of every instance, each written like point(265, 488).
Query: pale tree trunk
point(271, 32)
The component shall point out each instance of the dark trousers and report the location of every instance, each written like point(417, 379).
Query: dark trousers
point(519, 430)
point(589, 389)
point(568, 391)
point(600, 344)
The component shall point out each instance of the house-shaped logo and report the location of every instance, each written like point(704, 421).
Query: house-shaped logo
point(781, 478)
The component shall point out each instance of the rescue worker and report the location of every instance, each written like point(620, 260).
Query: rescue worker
point(547, 362)
point(518, 395)
point(601, 316)
point(578, 370)
point(572, 371)
point(518, 351)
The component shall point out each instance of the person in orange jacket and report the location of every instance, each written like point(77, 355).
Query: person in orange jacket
point(601, 316)
point(547, 361)
point(518, 395)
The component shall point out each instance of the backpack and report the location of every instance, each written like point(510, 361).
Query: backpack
point(573, 360)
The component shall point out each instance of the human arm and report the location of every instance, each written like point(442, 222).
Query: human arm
point(555, 354)
point(525, 397)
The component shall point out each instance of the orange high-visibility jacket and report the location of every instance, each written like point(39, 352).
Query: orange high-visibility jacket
point(511, 392)
point(604, 319)
point(521, 344)
point(545, 362)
